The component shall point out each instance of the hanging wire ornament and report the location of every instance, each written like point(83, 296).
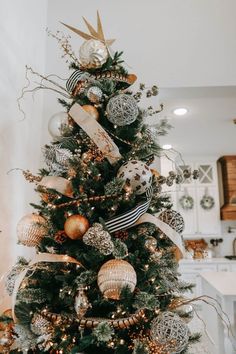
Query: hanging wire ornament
point(173, 219)
point(168, 328)
point(98, 238)
point(122, 110)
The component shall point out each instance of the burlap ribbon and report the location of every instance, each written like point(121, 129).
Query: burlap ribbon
point(41, 257)
point(96, 132)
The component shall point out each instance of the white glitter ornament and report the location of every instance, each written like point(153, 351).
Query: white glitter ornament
point(56, 125)
point(98, 238)
point(122, 110)
point(115, 275)
point(93, 54)
point(168, 329)
point(173, 219)
point(137, 175)
point(94, 94)
point(31, 229)
point(40, 325)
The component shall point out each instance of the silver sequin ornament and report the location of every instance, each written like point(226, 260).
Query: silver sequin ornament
point(40, 325)
point(94, 94)
point(81, 303)
point(168, 329)
point(98, 238)
point(93, 54)
point(122, 110)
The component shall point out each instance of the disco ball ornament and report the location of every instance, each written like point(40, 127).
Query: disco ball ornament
point(31, 229)
point(173, 219)
point(56, 125)
point(113, 276)
point(122, 110)
point(93, 54)
point(168, 329)
point(94, 94)
point(137, 175)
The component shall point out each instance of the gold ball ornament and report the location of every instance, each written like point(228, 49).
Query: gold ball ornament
point(91, 110)
point(113, 276)
point(76, 226)
point(31, 229)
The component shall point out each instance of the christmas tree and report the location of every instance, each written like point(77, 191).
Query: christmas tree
point(105, 276)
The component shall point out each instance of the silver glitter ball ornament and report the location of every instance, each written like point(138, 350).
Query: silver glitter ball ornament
point(57, 124)
point(122, 110)
point(94, 94)
point(93, 54)
point(98, 238)
point(168, 329)
point(137, 175)
point(40, 325)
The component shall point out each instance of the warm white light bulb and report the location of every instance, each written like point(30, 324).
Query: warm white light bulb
point(166, 146)
point(180, 111)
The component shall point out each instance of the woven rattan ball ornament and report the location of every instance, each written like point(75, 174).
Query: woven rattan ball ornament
point(169, 329)
point(137, 175)
point(31, 229)
point(115, 275)
point(122, 110)
point(75, 226)
point(94, 94)
point(173, 219)
point(93, 54)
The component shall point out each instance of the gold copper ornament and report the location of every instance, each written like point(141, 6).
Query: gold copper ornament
point(91, 110)
point(31, 229)
point(75, 226)
point(114, 275)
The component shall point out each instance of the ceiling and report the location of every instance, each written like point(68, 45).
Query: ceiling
point(207, 129)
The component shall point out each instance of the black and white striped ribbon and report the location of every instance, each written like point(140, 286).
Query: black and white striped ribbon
point(129, 218)
point(76, 76)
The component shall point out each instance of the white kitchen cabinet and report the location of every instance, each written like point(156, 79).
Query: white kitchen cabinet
point(199, 222)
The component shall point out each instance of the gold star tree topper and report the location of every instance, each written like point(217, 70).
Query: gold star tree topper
point(93, 34)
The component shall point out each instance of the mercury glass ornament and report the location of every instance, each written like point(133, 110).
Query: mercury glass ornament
point(94, 94)
point(136, 174)
point(93, 54)
point(115, 275)
point(122, 110)
point(40, 325)
point(169, 329)
point(31, 229)
point(185, 311)
point(56, 125)
point(81, 303)
point(150, 244)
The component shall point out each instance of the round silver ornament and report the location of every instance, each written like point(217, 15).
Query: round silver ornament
point(122, 110)
point(56, 124)
point(185, 312)
point(137, 175)
point(93, 54)
point(94, 94)
point(98, 238)
point(81, 303)
point(115, 275)
point(40, 325)
point(150, 244)
point(168, 329)
point(31, 229)
point(173, 219)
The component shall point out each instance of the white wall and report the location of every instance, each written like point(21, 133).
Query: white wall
point(22, 41)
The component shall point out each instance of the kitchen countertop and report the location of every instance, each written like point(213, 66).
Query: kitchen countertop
point(223, 282)
point(206, 260)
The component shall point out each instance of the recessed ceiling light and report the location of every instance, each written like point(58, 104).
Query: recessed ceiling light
point(180, 111)
point(167, 147)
